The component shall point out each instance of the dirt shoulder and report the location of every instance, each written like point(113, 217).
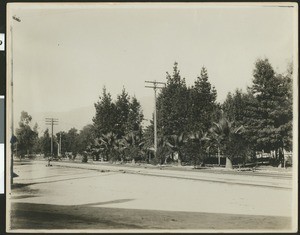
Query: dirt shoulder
point(266, 179)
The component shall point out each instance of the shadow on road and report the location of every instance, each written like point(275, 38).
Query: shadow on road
point(44, 216)
point(20, 185)
point(108, 202)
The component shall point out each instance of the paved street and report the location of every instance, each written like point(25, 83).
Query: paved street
point(99, 196)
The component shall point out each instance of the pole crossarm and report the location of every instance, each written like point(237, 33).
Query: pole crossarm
point(155, 82)
point(154, 87)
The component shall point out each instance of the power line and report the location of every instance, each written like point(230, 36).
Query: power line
point(155, 85)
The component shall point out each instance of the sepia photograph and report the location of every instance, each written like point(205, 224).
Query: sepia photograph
point(152, 117)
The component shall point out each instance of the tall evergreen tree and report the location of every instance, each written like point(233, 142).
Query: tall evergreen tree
point(105, 119)
point(202, 103)
point(234, 106)
point(113, 121)
point(120, 117)
point(86, 138)
point(270, 113)
point(173, 105)
point(45, 141)
point(123, 110)
point(287, 127)
point(135, 116)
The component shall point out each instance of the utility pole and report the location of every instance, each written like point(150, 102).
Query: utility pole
point(155, 85)
point(52, 122)
point(59, 146)
point(13, 138)
point(59, 143)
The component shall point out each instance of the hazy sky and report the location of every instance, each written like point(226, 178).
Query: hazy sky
point(63, 56)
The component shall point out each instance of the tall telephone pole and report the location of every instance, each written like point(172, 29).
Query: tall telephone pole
point(155, 85)
point(13, 138)
point(52, 122)
point(59, 143)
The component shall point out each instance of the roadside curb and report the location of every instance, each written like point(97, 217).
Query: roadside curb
point(176, 175)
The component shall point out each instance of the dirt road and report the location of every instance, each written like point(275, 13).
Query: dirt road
point(71, 198)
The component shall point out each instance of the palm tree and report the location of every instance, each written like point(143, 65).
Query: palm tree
point(163, 151)
point(217, 137)
point(107, 144)
point(198, 137)
point(133, 143)
point(223, 133)
point(120, 147)
point(96, 148)
point(176, 143)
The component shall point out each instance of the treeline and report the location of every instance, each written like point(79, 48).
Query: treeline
point(257, 120)
point(70, 143)
point(118, 128)
point(192, 126)
point(265, 110)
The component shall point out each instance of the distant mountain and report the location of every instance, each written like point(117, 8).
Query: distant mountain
point(80, 117)
point(77, 118)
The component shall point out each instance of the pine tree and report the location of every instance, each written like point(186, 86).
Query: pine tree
point(105, 119)
point(46, 143)
point(122, 109)
point(269, 115)
point(203, 103)
point(85, 138)
point(287, 126)
point(234, 106)
point(135, 116)
point(173, 104)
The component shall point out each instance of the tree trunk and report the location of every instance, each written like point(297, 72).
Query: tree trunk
point(284, 160)
point(219, 157)
point(179, 161)
point(281, 157)
point(228, 163)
